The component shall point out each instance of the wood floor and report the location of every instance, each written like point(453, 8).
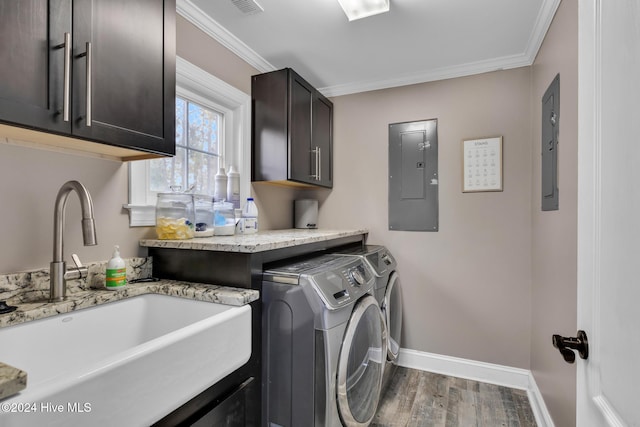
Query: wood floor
point(417, 398)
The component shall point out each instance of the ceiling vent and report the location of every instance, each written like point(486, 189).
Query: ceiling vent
point(248, 7)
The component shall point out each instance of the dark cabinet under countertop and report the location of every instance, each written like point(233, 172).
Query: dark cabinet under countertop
point(292, 131)
point(99, 70)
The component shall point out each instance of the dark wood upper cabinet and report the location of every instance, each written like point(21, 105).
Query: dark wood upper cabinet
point(292, 131)
point(115, 78)
point(32, 62)
point(323, 139)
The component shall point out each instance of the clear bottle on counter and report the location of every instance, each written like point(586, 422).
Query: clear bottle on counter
point(175, 215)
point(224, 220)
point(204, 215)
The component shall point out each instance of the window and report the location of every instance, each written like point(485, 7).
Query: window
point(212, 126)
point(198, 143)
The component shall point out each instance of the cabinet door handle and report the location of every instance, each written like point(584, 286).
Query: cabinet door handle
point(316, 163)
point(87, 55)
point(89, 88)
point(66, 96)
point(319, 163)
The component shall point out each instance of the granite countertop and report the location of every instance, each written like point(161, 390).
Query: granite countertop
point(28, 291)
point(12, 380)
point(251, 243)
point(28, 311)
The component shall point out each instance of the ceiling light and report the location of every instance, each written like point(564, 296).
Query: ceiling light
point(356, 9)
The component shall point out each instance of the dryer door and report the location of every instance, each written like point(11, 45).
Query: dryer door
point(392, 312)
point(360, 365)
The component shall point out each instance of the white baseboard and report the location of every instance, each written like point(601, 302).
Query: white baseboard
point(543, 418)
point(507, 376)
point(465, 368)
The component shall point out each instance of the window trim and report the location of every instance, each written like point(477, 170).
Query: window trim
point(198, 85)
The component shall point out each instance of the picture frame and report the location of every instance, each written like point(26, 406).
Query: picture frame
point(482, 165)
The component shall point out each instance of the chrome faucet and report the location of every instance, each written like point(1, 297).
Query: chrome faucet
point(58, 269)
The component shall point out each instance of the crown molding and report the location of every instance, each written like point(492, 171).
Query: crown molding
point(444, 73)
point(197, 17)
point(540, 28)
point(543, 21)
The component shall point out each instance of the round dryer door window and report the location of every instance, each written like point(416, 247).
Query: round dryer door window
point(361, 363)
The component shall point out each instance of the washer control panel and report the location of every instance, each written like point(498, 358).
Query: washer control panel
point(377, 257)
point(357, 276)
point(386, 258)
point(344, 285)
point(380, 260)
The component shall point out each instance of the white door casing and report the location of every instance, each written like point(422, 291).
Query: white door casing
point(608, 383)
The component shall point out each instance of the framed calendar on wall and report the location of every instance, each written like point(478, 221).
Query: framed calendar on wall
point(482, 164)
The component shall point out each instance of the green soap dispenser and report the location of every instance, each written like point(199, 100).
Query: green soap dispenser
point(116, 277)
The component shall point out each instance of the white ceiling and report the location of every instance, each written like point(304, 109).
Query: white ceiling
point(416, 41)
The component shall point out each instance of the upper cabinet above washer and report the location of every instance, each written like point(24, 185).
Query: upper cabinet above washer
point(98, 70)
point(292, 131)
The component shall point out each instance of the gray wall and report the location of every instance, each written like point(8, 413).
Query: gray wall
point(466, 287)
point(554, 245)
point(30, 181)
point(201, 50)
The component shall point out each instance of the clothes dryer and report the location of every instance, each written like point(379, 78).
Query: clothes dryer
point(323, 343)
point(388, 294)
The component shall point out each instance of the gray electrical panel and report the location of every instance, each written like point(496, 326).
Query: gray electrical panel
point(413, 176)
point(550, 128)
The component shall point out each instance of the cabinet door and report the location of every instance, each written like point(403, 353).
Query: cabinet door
point(302, 164)
point(124, 73)
point(32, 62)
point(323, 139)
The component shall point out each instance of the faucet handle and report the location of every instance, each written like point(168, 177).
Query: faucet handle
point(80, 272)
point(76, 260)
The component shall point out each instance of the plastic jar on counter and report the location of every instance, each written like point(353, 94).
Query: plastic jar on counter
point(175, 216)
point(224, 219)
point(204, 215)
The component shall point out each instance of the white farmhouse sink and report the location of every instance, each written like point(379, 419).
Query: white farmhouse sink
point(123, 363)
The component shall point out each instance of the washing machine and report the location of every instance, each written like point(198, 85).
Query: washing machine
point(323, 343)
point(388, 294)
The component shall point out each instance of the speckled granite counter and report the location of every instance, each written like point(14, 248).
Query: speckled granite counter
point(28, 311)
point(251, 243)
point(29, 290)
point(12, 380)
